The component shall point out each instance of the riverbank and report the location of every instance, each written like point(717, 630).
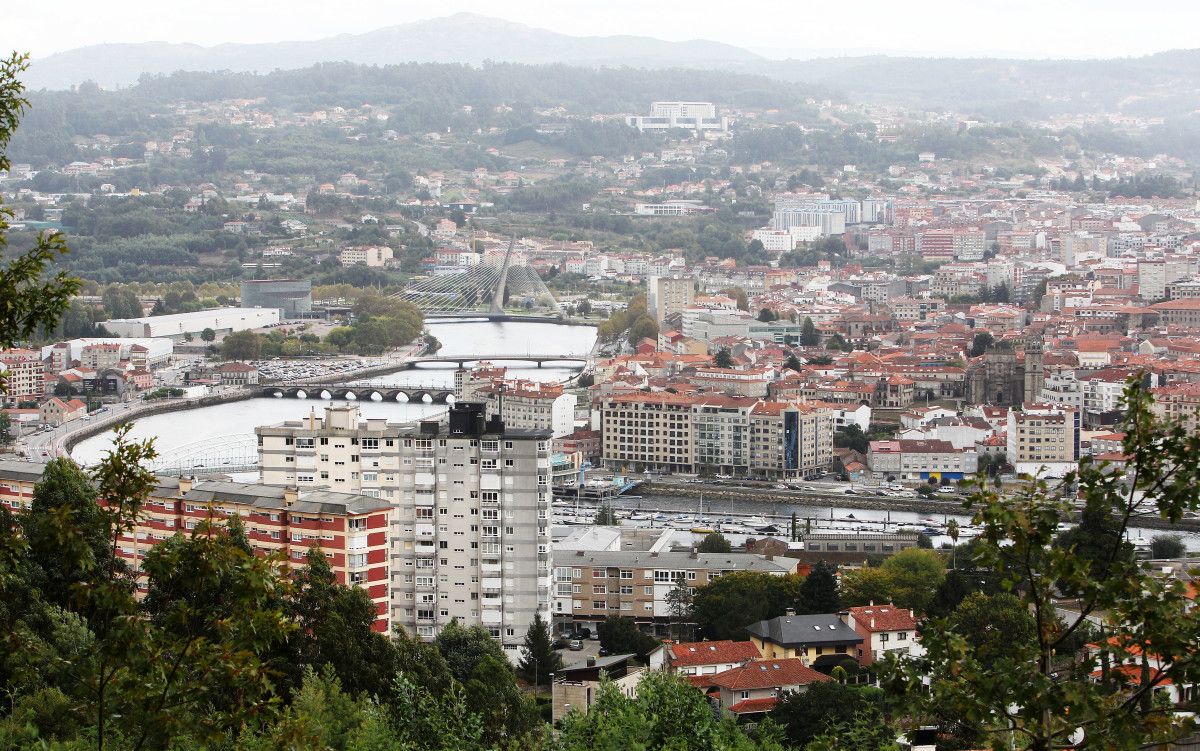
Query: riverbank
point(932, 506)
point(66, 443)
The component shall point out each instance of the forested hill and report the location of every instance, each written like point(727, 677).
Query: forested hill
point(1166, 84)
point(418, 98)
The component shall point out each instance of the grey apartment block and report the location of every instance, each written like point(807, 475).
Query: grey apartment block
point(471, 538)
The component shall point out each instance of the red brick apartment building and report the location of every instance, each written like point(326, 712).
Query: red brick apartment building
point(352, 530)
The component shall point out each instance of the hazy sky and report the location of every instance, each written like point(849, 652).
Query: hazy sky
point(1032, 28)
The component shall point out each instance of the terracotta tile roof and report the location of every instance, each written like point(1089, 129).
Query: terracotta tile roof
point(883, 618)
point(753, 706)
point(768, 674)
point(712, 652)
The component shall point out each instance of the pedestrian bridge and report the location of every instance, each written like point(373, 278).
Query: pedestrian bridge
point(327, 391)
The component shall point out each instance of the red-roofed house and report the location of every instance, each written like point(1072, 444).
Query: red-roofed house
point(710, 657)
point(55, 411)
point(884, 628)
point(754, 687)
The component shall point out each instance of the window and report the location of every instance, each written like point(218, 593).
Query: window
point(357, 525)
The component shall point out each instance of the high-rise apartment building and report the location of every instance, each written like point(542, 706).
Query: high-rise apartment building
point(470, 537)
point(1043, 439)
point(670, 294)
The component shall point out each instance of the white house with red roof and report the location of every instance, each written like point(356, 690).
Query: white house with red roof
point(754, 688)
point(710, 657)
point(884, 629)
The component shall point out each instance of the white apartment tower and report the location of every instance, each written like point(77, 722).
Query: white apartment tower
point(669, 294)
point(470, 538)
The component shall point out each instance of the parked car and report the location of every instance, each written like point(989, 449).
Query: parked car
point(575, 645)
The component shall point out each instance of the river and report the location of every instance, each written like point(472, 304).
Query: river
point(176, 429)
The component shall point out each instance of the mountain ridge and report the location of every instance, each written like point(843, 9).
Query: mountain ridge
point(461, 38)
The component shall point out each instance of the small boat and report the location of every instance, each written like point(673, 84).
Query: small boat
point(638, 516)
point(703, 530)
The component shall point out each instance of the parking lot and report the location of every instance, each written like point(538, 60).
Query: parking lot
point(291, 370)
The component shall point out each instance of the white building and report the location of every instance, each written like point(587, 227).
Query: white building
point(1043, 440)
point(929, 460)
point(375, 256)
point(698, 116)
point(471, 536)
point(784, 240)
point(177, 325)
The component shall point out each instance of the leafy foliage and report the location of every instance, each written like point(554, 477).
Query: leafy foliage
point(723, 608)
point(1048, 691)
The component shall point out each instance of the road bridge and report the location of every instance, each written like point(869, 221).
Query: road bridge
point(574, 362)
point(326, 391)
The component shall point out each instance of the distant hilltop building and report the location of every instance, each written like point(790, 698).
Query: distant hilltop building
point(697, 116)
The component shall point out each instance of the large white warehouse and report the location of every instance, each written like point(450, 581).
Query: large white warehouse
point(176, 325)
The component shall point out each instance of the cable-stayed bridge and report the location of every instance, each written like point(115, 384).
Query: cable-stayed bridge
point(510, 290)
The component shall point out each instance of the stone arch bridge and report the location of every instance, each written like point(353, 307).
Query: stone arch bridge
point(326, 391)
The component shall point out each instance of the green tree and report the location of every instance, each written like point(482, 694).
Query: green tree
point(723, 358)
point(809, 336)
point(208, 335)
point(723, 608)
point(464, 647)
point(336, 629)
point(1167, 546)
point(620, 635)
point(998, 627)
point(865, 731)
point(666, 713)
point(852, 437)
point(915, 575)
point(508, 716)
point(740, 298)
point(766, 315)
point(792, 363)
point(819, 591)
point(538, 658)
point(1048, 694)
point(32, 298)
point(806, 714)
point(679, 610)
point(605, 516)
point(645, 327)
point(714, 542)
point(6, 432)
point(242, 345)
point(980, 343)
point(66, 496)
point(1097, 539)
point(865, 586)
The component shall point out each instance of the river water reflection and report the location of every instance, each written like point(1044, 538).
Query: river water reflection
point(176, 429)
